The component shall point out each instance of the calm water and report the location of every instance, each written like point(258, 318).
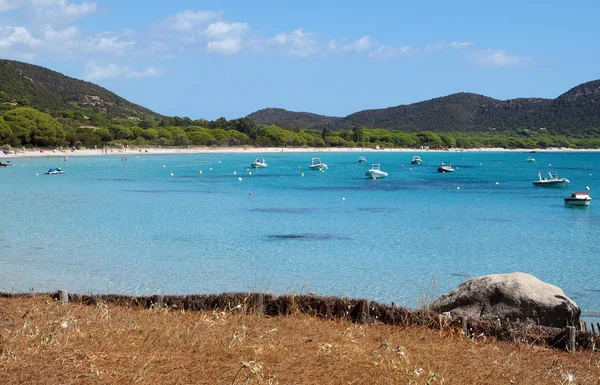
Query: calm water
point(102, 227)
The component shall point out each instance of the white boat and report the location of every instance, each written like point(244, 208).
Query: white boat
point(416, 160)
point(362, 159)
point(259, 163)
point(578, 198)
point(445, 167)
point(530, 159)
point(375, 172)
point(317, 164)
point(54, 171)
point(6, 164)
point(553, 181)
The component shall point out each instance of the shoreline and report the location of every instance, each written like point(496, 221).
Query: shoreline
point(35, 153)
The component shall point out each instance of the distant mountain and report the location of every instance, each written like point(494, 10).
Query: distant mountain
point(574, 111)
point(39, 87)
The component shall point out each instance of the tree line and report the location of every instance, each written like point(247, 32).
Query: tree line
point(25, 126)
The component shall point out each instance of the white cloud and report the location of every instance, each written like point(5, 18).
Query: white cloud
point(95, 72)
point(460, 44)
point(222, 29)
point(360, 45)
point(109, 44)
point(188, 20)
point(79, 10)
point(60, 11)
point(454, 45)
point(10, 36)
point(385, 51)
point(498, 58)
point(225, 47)
point(64, 34)
point(225, 38)
point(297, 43)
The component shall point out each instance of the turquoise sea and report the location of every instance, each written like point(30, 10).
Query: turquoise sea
point(103, 227)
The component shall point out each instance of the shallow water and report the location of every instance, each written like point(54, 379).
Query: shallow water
point(102, 227)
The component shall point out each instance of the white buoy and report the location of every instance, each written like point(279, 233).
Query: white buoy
point(343, 198)
point(200, 172)
point(458, 188)
point(210, 169)
point(171, 174)
point(234, 173)
point(497, 183)
point(240, 178)
point(250, 173)
point(164, 166)
point(36, 174)
point(587, 188)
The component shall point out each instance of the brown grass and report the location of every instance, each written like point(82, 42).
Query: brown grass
point(46, 342)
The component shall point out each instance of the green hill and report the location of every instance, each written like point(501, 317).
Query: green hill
point(572, 112)
point(23, 84)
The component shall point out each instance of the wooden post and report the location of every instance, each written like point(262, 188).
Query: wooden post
point(571, 338)
point(158, 300)
point(260, 303)
point(364, 312)
point(63, 296)
point(598, 326)
point(465, 325)
point(584, 326)
point(593, 328)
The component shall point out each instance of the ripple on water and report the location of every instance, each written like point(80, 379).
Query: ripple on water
point(308, 237)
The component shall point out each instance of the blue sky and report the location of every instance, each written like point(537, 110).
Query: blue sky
point(207, 59)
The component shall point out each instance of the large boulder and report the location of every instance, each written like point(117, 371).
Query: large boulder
point(512, 296)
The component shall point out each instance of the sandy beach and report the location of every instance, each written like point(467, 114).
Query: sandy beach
point(36, 153)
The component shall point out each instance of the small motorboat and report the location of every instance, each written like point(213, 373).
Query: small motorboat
point(445, 167)
point(416, 160)
point(259, 163)
point(6, 164)
point(553, 181)
point(54, 171)
point(317, 164)
point(578, 198)
point(530, 159)
point(375, 172)
point(362, 159)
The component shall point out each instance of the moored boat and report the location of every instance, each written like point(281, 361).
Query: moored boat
point(362, 159)
point(578, 198)
point(445, 167)
point(54, 171)
point(553, 181)
point(317, 164)
point(530, 159)
point(375, 172)
point(259, 163)
point(416, 160)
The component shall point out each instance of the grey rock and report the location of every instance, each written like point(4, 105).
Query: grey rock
point(512, 296)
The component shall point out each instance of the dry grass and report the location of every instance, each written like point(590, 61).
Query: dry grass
point(45, 342)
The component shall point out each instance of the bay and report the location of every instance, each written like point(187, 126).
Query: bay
point(113, 226)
